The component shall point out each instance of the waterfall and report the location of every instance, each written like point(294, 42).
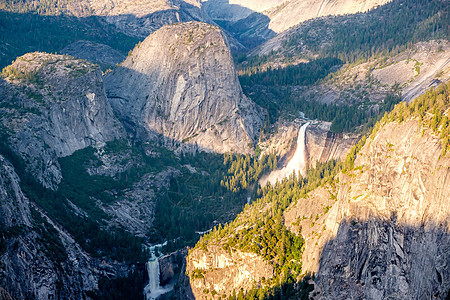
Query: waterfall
point(153, 289)
point(296, 164)
point(298, 161)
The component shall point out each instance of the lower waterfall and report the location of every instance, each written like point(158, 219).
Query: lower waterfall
point(153, 289)
point(296, 164)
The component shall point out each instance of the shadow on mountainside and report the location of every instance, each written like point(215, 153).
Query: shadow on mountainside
point(377, 259)
point(381, 259)
point(251, 30)
point(28, 32)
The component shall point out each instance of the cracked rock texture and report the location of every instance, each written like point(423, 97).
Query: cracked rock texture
point(321, 144)
point(53, 105)
point(382, 231)
point(180, 83)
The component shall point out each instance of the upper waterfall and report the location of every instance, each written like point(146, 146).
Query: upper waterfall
point(296, 164)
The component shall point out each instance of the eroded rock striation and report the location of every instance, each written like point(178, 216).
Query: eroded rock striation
point(54, 105)
point(180, 83)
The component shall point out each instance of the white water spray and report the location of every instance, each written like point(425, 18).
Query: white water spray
point(296, 164)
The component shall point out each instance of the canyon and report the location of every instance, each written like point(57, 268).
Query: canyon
point(167, 172)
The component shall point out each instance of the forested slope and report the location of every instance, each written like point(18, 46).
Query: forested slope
point(276, 226)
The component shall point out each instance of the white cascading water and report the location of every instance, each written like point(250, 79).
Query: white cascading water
point(153, 278)
point(153, 289)
point(296, 164)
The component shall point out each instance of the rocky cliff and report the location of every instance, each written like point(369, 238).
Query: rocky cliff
point(383, 230)
point(180, 82)
point(54, 105)
point(214, 272)
point(136, 18)
point(37, 259)
point(140, 18)
point(376, 227)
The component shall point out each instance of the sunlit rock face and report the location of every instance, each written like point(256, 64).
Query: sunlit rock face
point(300, 146)
point(384, 229)
point(224, 271)
point(180, 83)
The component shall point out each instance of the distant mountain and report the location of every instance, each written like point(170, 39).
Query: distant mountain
point(255, 21)
point(49, 26)
point(133, 18)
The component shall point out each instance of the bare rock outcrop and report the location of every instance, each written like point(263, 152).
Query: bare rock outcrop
point(53, 105)
point(321, 144)
point(219, 272)
point(140, 18)
point(180, 83)
point(382, 231)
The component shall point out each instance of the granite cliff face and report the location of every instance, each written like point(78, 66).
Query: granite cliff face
point(180, 83)
point(136, 18)
point(378, 231)
point(29, 267)
point(383, 230)
point(54, 105)
point(140, 18)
